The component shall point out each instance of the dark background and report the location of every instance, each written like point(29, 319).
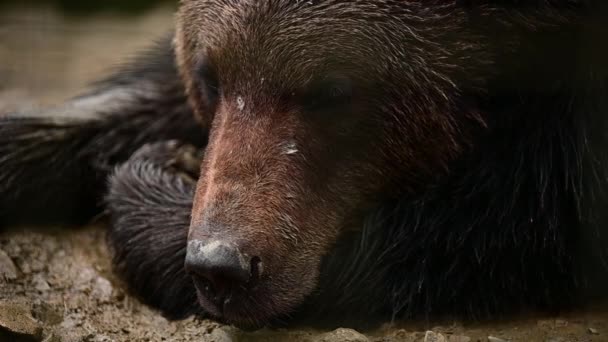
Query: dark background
point(87, 7)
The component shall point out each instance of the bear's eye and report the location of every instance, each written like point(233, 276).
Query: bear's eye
point(209, 85)
point(329, 93)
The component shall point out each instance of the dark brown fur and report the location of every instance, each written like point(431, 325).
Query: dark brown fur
point(378, 157)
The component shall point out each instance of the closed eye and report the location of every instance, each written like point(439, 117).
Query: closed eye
point(209, 86)
point(327, 94)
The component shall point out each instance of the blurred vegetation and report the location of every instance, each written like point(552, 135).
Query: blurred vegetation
point(83, 7)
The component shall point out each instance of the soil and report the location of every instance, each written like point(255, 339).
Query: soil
point(57, 284)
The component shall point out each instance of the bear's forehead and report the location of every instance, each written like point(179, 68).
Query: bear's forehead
point(259, 39)
point(285, 43)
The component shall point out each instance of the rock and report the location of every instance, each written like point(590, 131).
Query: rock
point(496, 339)
point(402, 335)
point(343, 335)
point(560, 323)
point(37, 266)
point(552, 323)
point(40, 284)
point(219, 335)
point(99, 338)
point(13, 250)
point(432, 336)
point(71, 322)
point(458, 338)
point(16, 321)
point(8, 270)
point(102, 290)
point(48, 314)
point(85, 279)
point(52, 337)
point(70, 330)
point(25, 267)
point(593, 331)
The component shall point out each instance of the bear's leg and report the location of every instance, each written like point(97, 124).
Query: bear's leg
point(54, 164)
point(149, 203)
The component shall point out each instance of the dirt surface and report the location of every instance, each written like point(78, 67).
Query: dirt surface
point(57, 284)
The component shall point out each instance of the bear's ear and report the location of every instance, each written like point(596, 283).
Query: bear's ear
point(54, 163)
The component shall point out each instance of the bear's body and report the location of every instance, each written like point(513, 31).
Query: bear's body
point(365, 158)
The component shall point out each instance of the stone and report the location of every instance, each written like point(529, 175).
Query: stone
point(102, 290)
point(496, 339)
point(40, 284)
point(8, 270)
point(432, 336)
point(16, 320)
point(220, 335)
point(560, 323)
point(343, 335)
point(47, 313)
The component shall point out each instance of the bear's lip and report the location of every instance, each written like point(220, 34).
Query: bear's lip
point(226, 308)
point(209, 305)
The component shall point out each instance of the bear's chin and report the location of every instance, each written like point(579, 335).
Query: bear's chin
point(248, 308)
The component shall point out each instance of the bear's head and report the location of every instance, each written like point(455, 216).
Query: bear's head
point(318, 111)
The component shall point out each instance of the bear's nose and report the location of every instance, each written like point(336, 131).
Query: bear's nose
point(220, 263)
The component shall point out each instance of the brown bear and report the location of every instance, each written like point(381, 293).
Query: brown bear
point(350, 159)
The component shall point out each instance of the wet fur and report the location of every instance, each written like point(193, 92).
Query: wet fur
point(516, 224)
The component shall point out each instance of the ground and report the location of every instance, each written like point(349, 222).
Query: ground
point(57, 284)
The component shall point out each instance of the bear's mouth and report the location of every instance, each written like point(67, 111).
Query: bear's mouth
point(242, 303)
point(212, 302)
point(237, 306)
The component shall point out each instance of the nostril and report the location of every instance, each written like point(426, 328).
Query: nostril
point(220, 263)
